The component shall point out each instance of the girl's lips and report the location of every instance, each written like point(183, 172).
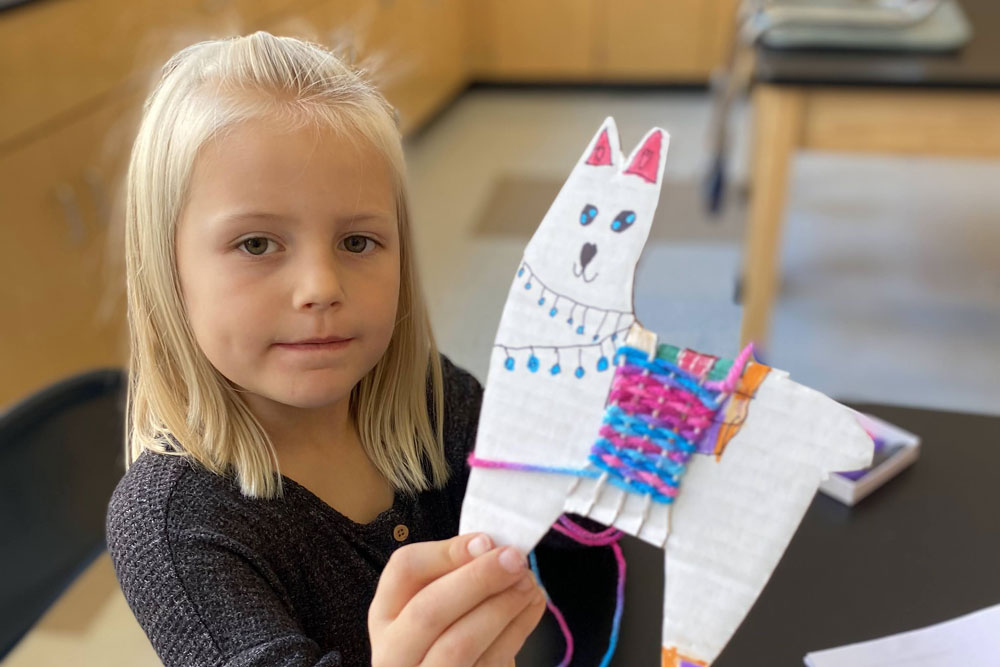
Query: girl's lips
point(316, 347)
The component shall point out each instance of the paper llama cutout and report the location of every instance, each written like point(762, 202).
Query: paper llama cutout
point(569, 309)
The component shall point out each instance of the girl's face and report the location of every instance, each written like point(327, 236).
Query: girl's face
point(290, 236)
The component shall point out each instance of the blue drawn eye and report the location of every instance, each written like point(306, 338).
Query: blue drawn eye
point(588, 214)
point(623, 221)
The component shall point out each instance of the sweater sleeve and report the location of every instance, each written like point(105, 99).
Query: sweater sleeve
point(202, 598)
point(241, 607)
point(463, 398)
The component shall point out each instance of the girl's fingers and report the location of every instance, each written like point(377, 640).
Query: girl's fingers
point(413, 566)
point(447, 599)
point(509, 642)
point(472, 637)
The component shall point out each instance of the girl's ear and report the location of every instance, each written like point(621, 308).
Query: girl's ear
point(604, 150)
point(649, 157)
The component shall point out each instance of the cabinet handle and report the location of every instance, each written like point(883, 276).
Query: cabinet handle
point(71, 211)
point(99, 193)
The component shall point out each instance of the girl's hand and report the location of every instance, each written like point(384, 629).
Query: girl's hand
point(453, 603)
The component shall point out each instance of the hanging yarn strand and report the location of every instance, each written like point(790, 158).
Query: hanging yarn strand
point(606, 537)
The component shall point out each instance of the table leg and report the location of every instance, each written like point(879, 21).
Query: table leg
point(778, 113)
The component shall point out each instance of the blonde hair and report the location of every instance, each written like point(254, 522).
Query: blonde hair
point(174, 392)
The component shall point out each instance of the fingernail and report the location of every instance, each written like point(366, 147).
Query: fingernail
point(479, 545)
point(511, 560)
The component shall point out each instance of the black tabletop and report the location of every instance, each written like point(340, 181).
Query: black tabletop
point(921, 549)
point(976, 65)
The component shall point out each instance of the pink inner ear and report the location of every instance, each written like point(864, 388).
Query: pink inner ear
point(647, 161)
point(601, 155)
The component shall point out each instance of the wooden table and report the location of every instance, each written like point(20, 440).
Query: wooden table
point(935, 105)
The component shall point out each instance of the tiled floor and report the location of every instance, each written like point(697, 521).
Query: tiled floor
point(891, 271)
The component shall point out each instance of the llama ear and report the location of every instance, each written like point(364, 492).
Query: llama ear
point(604, 149)
point(650, 155)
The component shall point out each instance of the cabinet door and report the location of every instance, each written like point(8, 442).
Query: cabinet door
point(414, 49)
point(62, 293)
point(650, 38)
point(438, 66)
point(628, 40)
point(681, 40)
point(59, 55)
point(529, 40)
point(55, 56)
point(250, 15)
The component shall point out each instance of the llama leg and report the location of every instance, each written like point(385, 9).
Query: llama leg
point(513, 507)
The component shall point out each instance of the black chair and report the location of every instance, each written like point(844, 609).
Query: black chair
point(61, 456)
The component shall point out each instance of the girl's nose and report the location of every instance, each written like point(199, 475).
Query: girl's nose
point(318, 282)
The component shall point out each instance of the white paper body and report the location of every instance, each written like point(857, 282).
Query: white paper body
point(972, 640)
point(568, 308)
point(734, 518)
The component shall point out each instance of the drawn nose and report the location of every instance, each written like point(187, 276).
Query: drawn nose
point(587, 253)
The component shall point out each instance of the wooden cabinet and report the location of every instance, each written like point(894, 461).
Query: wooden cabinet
point(596, 40)
point(63, 307)
point(73, 73)
point(440, 61)
point(62, 57)
point(649, 39)
point(528, 40)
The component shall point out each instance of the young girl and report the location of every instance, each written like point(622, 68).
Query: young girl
point(295, 443)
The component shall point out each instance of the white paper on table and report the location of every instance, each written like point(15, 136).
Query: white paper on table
point(972, 640)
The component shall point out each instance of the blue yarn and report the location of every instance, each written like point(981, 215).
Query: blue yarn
point(590, 473)
point(616, 625)
point(533, 562)
point(646, 462)
point(624, 423)
point(629, 485)
point(577, 472)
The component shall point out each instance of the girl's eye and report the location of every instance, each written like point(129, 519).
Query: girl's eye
point(623, 221)
point(256, 245)
point(357, 244)
point(588, 214)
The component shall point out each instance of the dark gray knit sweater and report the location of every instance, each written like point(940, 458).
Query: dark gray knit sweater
point(215, 578)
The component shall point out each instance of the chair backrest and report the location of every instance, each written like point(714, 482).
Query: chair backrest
point(61, 456)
